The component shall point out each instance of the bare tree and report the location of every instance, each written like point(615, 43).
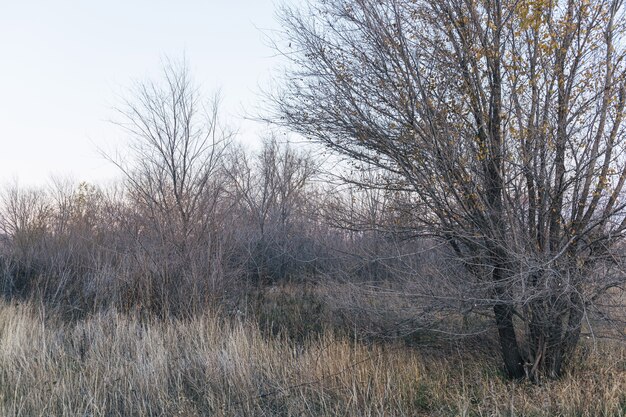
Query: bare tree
point(52, 240)
point(176, 145)
point(25, 215)
point(271, 189)
point(504, 121)
point(24, 222)
point(174, 172)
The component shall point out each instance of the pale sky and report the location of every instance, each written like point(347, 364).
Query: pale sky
point(63, 64)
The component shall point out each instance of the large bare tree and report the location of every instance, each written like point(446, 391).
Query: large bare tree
point(176, 141)
point(174, 174)
point(504, 120)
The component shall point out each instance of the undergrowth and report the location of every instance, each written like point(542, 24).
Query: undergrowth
point(116, 364)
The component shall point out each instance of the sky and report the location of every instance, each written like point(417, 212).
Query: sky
point(64, 66)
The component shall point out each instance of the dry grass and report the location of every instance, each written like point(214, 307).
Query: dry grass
point(115, 365)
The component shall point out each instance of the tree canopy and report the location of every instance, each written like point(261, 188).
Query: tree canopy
point(503, 119)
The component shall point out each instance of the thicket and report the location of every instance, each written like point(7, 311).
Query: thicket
point(263, 219)
point(197, 223)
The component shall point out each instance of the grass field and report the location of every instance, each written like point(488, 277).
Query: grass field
point(113, 364)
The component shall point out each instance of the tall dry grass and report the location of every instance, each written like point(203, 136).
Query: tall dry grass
point(116, 365)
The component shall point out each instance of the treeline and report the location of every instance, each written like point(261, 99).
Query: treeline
point(260, 218)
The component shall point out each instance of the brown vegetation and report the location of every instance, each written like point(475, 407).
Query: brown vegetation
point(115, 364)
point(465, 259)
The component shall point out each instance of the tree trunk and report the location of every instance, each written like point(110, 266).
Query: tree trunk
point(574, 325)
point(513, 362)
point(553, 337)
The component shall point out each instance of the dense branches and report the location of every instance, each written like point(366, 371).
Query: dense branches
point(504, 120)
point(177, 144)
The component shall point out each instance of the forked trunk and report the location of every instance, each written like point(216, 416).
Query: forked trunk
point(553, 339)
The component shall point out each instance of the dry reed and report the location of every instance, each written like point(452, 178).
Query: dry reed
point(113, 364)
